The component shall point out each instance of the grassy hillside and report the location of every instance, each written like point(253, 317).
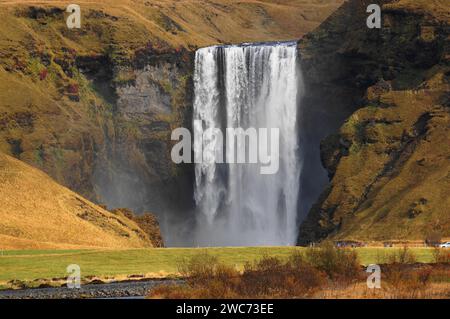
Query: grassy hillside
point(177, 23)
point(389, 163)
point(36, 212)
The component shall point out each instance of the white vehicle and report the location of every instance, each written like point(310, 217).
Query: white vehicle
point(445, 245)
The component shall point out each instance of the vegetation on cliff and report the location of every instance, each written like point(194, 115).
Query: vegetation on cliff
point(389, 164)
point(147, 222)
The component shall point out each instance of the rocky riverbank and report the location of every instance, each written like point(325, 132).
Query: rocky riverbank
point(128, 289)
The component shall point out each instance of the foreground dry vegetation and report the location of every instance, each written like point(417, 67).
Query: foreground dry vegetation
point(322, 272)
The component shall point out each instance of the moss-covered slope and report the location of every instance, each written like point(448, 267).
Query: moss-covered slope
point(389, 164)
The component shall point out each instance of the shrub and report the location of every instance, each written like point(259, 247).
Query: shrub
point(338, 263)
point(274, 278)
point(402, 256)
point(200, 267)
point(407, 283)
point(300, 276)
point(270, 277)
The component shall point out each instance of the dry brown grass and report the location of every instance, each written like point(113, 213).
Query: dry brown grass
point(301, 276)
point(338, 264)
point(324, 272)
point(360, 291)
point(184, 23)
point(36, 212)
point(269, 277)
point(437, 8)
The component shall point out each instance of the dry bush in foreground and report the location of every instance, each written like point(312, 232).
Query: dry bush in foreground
point(298, 277)
point(323, 272)
point(339, 264)
point(272, 277)
point(267, 278)
point(402, 256)
point(360, 291)
point(407, 283)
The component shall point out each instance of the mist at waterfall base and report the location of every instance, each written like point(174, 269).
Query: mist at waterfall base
point(247, 86)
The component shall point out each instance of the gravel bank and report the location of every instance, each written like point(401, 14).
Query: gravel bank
point(129, 289)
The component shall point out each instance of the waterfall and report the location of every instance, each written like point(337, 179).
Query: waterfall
point(249, 85)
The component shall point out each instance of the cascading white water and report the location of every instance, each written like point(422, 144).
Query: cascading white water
point(249, 85)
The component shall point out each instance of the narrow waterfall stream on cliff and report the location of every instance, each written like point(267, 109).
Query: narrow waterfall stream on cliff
point(248, 85)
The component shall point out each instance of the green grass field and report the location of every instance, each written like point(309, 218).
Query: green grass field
point(29, 265)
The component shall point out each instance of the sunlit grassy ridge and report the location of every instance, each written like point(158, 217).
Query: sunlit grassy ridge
point(129, 24)
point(36, 212)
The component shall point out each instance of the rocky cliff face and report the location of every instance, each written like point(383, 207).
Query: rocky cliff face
point(388, 164)
point(135, 170)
